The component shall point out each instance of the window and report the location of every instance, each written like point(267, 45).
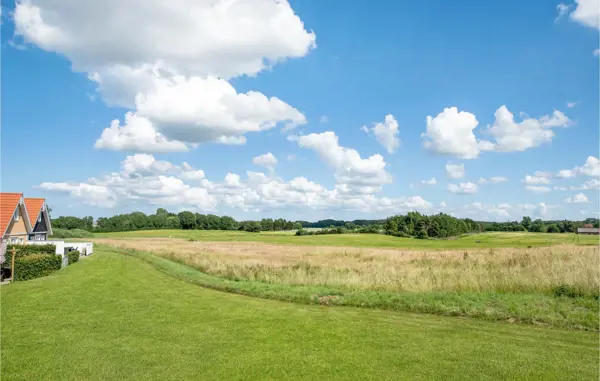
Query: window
point(16, 215)
point(16, 240)
point(39, 217)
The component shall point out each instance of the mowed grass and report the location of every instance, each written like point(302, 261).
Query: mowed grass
point(482, 240)
point(114, 317)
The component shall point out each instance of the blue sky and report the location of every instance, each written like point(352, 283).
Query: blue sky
point(70, 68)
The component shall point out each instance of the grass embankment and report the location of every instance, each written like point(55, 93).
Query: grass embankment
point(70, 233)
point(345, 289)
point(114, 317)
point(483, 240)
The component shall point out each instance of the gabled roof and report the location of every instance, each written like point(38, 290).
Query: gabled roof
point(588, 230)
point(34, 208)
point(8, 204)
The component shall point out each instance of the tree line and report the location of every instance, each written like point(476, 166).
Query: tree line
point(539, 226)
point(412, 224)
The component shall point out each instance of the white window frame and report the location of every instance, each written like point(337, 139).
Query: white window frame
point(16, 215)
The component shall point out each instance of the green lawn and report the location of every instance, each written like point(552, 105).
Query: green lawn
point(484, 240)
point(115, 317)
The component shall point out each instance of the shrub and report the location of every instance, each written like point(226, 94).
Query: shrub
point(304, 232)
point(25, 250)
point(568, 291)
point(73, 233)
point(36, 266)
point(73, 256)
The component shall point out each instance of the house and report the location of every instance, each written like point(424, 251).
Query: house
point(39, 219)
point(14, 220)
point(594, 231)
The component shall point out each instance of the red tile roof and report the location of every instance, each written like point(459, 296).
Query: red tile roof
point(8, 204)
point(34, 207)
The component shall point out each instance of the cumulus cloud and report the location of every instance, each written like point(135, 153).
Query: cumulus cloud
point(174, 70)
point(579, 198)
point(513, 136)
point(223, 38)
point(324, 119)
point(351, 170)
point(267, 160)
point(386, 133)
point(593, 184)
point(462, 188)
point(537, 189)
point(455, 171)
point(431, 181)
point(453, 133)
point(572, 104)
point(538, 178)
point(591, 168)
point(562, 9)
point(145, 179)
point(196, 110)
point(587, 13)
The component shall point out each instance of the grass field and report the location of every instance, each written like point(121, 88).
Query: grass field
point(483, 240)
point(115, 317)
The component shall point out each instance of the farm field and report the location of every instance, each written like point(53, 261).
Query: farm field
point(482, 240)
point(114, 316)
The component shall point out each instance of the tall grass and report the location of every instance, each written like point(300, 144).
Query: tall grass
point(534, 270)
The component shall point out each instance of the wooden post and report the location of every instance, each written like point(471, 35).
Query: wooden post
point(12, 266)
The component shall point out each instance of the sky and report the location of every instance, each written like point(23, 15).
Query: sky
point(303, 109)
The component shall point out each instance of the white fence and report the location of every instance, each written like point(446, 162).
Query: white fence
point(84, 248)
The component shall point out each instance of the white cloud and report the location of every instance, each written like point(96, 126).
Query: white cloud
point(386, 133)
point(350, 168)
point(537, 189)
point(267, 160)
point(593, 184)
point(463, 188)
point(146, 180)
point(565, 174)
point(538, 178)
point(431, 181)
point(196, 110)
point(596, 52)
point(587, 12)
point(455, 171)
point(324, 119)
point(591, 168)
point(137, 135)
point(579, 198)
point(493, 180)
point(513, 136)
point(572, 104)
point(223, 38)
point(451, 133)
point(291, 157)
point(96, 195)
point(178, 91)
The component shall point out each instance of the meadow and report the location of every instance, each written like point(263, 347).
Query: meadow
point(555, 285)
point(482, 240)
point(116, 317)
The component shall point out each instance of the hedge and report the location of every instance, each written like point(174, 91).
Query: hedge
point(24, 250)
point(36, 265)
point(73, 256)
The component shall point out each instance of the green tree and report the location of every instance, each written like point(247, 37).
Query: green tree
point(187, 220)
point(552, 228)
point(526, 222)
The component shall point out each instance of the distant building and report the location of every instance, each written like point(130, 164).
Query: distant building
point(594, 231)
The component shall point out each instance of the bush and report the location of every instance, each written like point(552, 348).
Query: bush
point(568, 291)
point(304, 232)
point(36, 266)
point(25, 250)
point(73, 233)
point(73, 256)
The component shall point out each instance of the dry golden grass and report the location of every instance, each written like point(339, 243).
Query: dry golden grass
point(482, 270)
